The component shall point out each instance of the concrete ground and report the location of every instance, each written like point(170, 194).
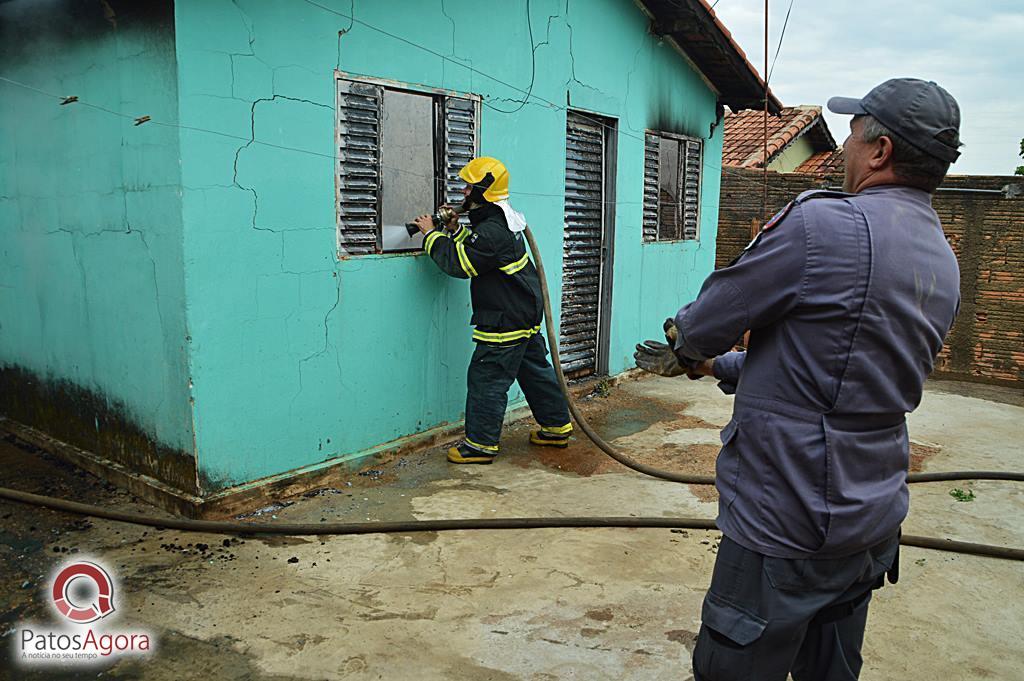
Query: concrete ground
point(538, 605)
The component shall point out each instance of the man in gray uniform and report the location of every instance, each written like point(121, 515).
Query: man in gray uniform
point(848, 297)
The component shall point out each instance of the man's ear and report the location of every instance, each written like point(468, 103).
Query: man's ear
point(881, 154)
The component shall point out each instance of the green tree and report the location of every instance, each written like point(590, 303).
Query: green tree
point(1020, 169)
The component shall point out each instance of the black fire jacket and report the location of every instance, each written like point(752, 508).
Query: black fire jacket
point(505, 288)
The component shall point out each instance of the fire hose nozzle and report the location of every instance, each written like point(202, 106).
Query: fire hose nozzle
point(442, 217)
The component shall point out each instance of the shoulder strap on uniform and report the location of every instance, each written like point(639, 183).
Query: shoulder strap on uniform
point(802, 198)
point(778, 217)
point(822, 194)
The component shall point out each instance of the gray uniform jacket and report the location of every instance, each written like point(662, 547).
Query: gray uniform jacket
point(848, 299)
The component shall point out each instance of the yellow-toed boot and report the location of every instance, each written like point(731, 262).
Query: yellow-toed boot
point(545, 438)
point(464, 453)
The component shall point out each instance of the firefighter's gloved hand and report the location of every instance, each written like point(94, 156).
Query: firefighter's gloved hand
point(453, 223)
point(671, 332)
point(658, 358)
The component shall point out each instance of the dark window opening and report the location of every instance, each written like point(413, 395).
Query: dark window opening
point(398, 156)
point(672, 175)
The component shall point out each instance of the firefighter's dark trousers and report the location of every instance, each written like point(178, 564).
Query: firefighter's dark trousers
point(491, 372)
point(764, 618)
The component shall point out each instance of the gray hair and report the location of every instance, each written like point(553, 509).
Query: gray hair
point(915, 167)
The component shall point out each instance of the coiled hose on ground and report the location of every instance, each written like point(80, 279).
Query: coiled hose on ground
point(408, 526)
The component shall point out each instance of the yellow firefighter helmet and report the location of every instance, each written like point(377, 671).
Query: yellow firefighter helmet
point(475, 173)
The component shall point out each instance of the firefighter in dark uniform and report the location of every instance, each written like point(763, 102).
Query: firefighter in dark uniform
point(507, 311)
point(848, 297)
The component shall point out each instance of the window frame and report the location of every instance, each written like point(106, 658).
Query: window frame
point(442, 192)
point(684, 141)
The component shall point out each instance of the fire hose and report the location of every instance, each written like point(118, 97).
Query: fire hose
point(444, 525)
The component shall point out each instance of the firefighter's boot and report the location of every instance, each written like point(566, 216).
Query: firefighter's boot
point(465, 453)
point(543, 438)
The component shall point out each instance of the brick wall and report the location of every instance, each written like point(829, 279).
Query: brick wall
point(986, 232)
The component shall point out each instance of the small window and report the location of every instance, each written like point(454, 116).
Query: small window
point(672, 169)
point(399, 154)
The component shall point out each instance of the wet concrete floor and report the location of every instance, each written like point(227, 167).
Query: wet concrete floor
point(538, 605)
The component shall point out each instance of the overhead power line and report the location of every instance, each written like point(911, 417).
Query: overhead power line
point(781, 38)
point(533, 67)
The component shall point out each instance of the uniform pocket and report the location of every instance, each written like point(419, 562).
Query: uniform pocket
point(729, 432)
point(731, 621)
point(486, 318)
point(803, 575)
point(727, 465)
point(866, 483)
point(726, 639)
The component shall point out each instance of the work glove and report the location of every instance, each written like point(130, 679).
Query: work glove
point(658, 358)
point(671, 332)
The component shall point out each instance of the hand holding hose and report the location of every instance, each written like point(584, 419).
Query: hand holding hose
point(660, 358)
point(449, 216)
point(423, 223)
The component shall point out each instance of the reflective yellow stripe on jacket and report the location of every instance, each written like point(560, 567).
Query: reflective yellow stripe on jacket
point(506, 336)
point(467, 266)
point(514, 267)
point(462, 234)
point(428, 243)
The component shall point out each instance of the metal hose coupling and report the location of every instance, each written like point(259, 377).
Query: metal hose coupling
point(442, 217)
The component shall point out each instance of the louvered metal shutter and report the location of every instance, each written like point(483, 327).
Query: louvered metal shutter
point(651, 146)
point(459, 146)
point(581, 265)
point(358, 166)
point(691, 162)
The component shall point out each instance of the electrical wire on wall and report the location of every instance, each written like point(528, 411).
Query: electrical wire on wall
point(533, 68)
point(140, 120)
point(352, 20)
point(528, 94)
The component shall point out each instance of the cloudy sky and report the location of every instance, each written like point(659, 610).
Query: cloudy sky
point(973, 48)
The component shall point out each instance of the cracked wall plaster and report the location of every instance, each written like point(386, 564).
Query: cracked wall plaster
point(370, 349)
point(92, 259)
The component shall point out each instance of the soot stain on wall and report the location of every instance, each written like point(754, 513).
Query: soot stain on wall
point(93, 422)
point(26, 24)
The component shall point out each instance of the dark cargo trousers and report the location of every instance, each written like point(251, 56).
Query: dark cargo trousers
point(491, 372)
point(764, 618)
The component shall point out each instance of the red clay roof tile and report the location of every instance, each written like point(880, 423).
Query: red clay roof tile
point(743, 144)
point(823, 163)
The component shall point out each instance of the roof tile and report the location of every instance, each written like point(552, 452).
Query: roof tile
point(743, 145)
point(823, 163)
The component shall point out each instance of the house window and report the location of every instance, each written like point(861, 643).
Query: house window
point(672, 170)
point(399, 154)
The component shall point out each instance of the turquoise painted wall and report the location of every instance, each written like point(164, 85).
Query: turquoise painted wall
point(296, 357)
point(91, 253)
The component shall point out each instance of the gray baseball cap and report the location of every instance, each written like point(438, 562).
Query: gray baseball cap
point(919, 111)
